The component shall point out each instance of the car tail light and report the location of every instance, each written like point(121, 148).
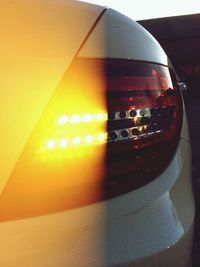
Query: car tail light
point(111, 126)
point(144, 122)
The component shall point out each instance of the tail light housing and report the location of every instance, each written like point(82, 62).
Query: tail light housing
point(144, 123)
point(136, 112)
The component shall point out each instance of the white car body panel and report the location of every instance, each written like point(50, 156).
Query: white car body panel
point(36, 49)
point(109, 233)
point(117, 36)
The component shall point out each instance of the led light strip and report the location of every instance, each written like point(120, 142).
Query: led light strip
point(118, 115)
point(131, 133)
point(113, 136)
point(76, 141)
point(86, 118)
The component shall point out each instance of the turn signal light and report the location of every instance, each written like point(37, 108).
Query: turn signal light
point(111, 126)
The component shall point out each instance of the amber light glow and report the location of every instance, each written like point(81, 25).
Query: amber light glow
point(62, 165)
point(67, 128)
point(64, 119)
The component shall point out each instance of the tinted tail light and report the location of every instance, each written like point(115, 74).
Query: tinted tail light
point(111, 127)
point(144, 122)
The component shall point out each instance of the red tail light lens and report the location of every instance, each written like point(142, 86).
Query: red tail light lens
point(110, 127)
point(144, 123)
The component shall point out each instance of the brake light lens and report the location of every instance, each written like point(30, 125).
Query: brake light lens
point(112, 126)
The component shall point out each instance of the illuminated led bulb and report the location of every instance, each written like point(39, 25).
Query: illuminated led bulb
point(51, 144)
point(75, 119)
point(63, 119)
point(87, 117)
point(64, 142)
point(76, 140)
point(102, 137)
point(100, 116)
point(89, 139)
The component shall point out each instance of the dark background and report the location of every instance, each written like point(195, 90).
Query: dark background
point(180, 38)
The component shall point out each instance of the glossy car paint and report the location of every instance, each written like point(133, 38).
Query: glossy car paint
point(147, 226)
point(117, 36)
point(36, 49)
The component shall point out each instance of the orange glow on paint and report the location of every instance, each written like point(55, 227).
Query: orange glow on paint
point(62, 165)
point(42, 172)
